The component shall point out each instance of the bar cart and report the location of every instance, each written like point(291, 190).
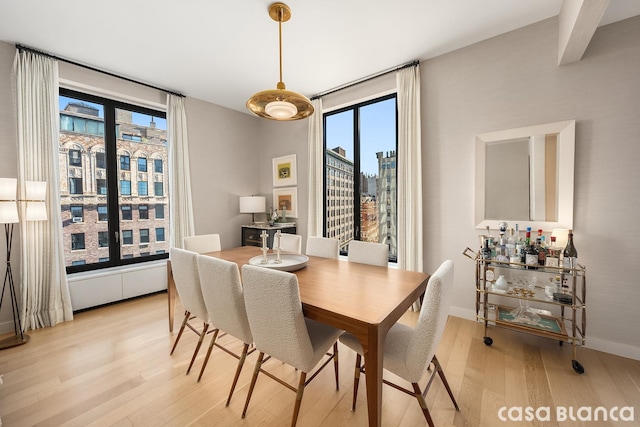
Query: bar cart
point(567, 299)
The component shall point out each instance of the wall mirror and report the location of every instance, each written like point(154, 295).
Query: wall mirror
point(525, 176)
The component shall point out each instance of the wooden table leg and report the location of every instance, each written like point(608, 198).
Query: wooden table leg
point(171, 295)
point(373, 357)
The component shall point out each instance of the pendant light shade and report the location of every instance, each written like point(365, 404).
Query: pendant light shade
point(280, 103)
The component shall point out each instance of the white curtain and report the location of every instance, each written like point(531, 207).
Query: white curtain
point(316, 171)
point(45, 292)
point(410, 256)
point(181, 216)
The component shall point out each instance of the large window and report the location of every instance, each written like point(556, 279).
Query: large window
point(99, 140)
point(360, 179)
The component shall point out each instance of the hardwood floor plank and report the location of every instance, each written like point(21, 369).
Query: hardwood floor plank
point(111, 367)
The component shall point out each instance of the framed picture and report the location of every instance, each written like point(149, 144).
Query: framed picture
point(285, 171)
point(286, 198)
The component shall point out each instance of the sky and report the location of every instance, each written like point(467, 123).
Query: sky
point(377, 133)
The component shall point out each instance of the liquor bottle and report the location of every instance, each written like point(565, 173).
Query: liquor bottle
point(542, 249)
point(531, 258)
point(485, 254)
point(527, 237)
point(511, 243)
point(552, 258)
point(570, 255)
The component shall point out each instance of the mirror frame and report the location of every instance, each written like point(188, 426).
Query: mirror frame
point(566, 131)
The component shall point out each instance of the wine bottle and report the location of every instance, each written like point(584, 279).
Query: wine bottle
point(570, 254)
point(542, 249)
point(485, 254)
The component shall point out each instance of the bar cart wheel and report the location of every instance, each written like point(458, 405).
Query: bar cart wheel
point(488, 341)
point(577, 366)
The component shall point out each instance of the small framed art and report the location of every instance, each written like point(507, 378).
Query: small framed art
point(285, 171)
point(287, 199)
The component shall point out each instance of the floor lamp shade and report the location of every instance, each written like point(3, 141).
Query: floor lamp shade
point(8, 206)
point(36, 194)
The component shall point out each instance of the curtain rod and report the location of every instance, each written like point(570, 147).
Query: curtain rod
point(364, 79)
point(39, 52)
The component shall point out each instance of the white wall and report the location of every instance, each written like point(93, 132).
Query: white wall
point(512, 81)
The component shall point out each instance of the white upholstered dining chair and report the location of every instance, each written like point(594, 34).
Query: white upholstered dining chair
point(224, 298)
point(369, 253)
point(281, 331)
point(184, 266)
point(409, 351)
point(290, 243)
point(202, 243)
point(323, 247)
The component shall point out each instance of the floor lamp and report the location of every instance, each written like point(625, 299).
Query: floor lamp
point(35, 211)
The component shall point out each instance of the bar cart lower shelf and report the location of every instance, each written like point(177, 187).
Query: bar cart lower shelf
point(566, 325)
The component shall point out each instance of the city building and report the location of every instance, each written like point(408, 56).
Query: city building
point(142, 157)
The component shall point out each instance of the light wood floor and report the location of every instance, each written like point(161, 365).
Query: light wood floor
point(111, 367)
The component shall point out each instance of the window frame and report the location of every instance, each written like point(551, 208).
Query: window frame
point(111, 200)
point(357, 173)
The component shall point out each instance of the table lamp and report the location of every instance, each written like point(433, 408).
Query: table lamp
point(253, 205)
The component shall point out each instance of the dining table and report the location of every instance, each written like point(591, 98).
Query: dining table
point(362, 299)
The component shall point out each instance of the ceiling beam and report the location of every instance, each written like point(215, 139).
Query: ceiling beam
point(578, 22)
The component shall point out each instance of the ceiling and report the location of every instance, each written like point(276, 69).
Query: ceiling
point(223, 52)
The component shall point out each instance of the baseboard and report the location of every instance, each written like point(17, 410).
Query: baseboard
point(594, 343)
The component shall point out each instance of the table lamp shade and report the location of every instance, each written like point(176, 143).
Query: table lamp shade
point(253, 204)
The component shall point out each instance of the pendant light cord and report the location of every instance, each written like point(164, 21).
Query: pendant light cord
point(280, 18)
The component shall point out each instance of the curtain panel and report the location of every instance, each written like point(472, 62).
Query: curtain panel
point(410, 248)
point(44, 289)
point(181, 217)
point(316, 172)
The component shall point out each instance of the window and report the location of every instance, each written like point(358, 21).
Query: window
point(126, 212)
point(143, 188)
point(125, 187)
point(125, 163)
point(159, 211)
point(101, 187)
point(102, 213)
point(100, 161)
point(77, 213)
point(74, 158)
point(159, 234)
point(143, 211)
point(127, 237)
point(157, 165)
point(103, 239)
point(77, 241)
point(157, 188)
point(75, 185)
point(360, 144)
point(93, 127)
point(142, 164)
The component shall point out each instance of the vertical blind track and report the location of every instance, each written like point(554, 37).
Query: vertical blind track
point(28, 49)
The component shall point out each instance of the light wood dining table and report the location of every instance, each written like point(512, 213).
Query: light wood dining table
point(361, 299)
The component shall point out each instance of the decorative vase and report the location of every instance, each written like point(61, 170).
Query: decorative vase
point(501, 284)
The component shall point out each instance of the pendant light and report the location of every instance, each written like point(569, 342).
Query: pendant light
point(280, 103)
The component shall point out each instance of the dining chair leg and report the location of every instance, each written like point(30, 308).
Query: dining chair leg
point(356, 381)
point(423, 404)
point(184, 324)
point(195, 352)
point(438, 367)
point(254, 378)
point(206, 358)
point(296, 408)
point(243, 356)
point(335, 364)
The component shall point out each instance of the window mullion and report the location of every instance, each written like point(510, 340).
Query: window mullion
point(112, 182)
